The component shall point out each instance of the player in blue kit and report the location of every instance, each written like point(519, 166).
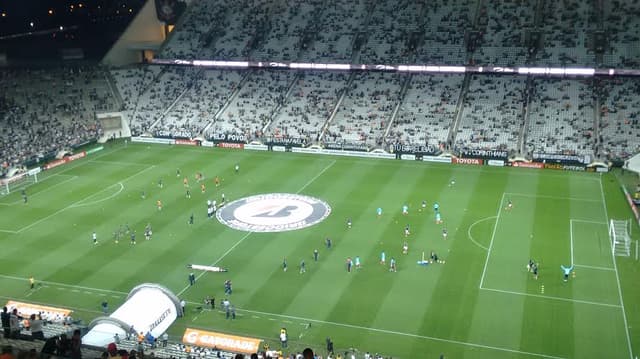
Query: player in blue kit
point(405, 209)
point(379, 211)
point(436, 207)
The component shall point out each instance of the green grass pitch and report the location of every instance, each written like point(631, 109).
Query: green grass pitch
point(481, 303)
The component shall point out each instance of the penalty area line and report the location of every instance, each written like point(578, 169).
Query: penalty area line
point(472, 225)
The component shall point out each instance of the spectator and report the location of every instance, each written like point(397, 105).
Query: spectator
point(35, 325)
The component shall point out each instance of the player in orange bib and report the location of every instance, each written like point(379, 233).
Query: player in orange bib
point(202, 187)
point(185, 182)
point(159, 204)
point(217, 181)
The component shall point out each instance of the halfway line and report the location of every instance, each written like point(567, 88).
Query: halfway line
point(249, 233)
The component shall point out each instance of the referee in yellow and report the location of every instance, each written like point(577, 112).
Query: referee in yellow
point(32, 282)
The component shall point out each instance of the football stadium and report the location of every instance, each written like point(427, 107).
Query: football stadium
point(307, 179)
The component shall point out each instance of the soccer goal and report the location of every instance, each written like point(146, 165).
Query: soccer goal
point(18, 182)
point(620, 233)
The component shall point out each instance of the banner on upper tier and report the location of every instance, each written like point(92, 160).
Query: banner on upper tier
point(485, 154)
point(561, 158)
point(228, 137)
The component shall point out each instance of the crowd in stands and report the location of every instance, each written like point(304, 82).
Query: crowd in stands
point(492, 113)
point(620, 117)
point(364, 113)
point(307, 108)
point(48, 110)
point(43, 111)
point(427, 111)
point(561, 118)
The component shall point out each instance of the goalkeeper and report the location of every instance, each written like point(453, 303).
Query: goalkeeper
point(565, 272)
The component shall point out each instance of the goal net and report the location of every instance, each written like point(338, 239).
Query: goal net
point(18, 182)
point(619, 231)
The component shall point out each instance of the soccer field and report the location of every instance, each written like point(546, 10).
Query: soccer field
point(481, 303)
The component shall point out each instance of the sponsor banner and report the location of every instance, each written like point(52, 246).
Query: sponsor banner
point(228, 137)
point(633, 206)
point(528, 164)
point(496, 163)
point(94, 150)
point(485, 154)
point(180, 141)
point(415, 149)
point(288, 141)
point(53, 164)
point(76, 156)
point(256, 147)
point(346, 146)
point(34, 171)
point(48, 313)
point(225, 342)
point(67, 159)
point(564, 167)
point(164, 141)
point(467, 161)
point(408, 157)
point(237, 145)
point(344, 153)
point(436, 159)
point(602, 169)
point(207, 144)
point(279, 148)
point(560, 158)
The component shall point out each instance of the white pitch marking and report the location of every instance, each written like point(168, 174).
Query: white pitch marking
point(552, 298)
point(74, 204)
point(57, 284)
point(495, 227)
point(471, 237)
point(533, 195)
point(615, 268)
point(249, 233)
point(594, 267)
point(436, 339)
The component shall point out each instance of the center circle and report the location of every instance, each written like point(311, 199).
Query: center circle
point(273, 212)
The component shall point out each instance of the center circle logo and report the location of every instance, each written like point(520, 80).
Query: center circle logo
point(273, 212)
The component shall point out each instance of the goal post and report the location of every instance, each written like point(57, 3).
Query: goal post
point(619, 232)
point(19, 181)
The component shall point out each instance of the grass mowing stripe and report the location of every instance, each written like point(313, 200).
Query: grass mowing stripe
point(493, 235)
point(615, 268)
point(249, 233)
point(444, 340)
point(74, 204)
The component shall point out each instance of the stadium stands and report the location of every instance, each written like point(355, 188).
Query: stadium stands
point(309, 105)
point(366, 109)
point(46, 110)
point(620, 118)
point(188, 102)
point(492, 114)
point(253, 106)
point(561, 118)
point(427, 111)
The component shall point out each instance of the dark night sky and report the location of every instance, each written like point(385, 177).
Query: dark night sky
point(89, 24)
